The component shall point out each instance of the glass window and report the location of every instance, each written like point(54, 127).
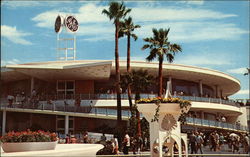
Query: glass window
point(60, 124)
point(70, 85)
point(61, 85)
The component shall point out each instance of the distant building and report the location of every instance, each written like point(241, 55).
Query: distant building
point(73, 96)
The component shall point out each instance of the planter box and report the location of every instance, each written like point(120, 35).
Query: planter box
point(28, 146)
point(164, 108)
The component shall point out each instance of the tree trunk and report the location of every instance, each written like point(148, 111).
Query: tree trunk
point(117, 73)
point(128, 70)
point(160, 77)
point(138, 117)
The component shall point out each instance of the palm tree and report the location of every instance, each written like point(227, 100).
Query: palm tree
point(116, 12)
point(159, 47)
point(127, 28)
point(139, 81)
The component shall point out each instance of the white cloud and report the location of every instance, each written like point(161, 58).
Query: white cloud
point(243, 92)
point(13, 4)
point(47, 19)
point(206, 59)
point(184, 23)
point(195, 31)
point(162, 14)
point(237, 71)
point(7, 62)
point(14, 35)
point(193, 2)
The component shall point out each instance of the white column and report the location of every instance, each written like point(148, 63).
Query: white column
point(31, 84)
point(169, 88)
point(4, 122)
point(66, 124)
point(170, 83)
point(200, 88)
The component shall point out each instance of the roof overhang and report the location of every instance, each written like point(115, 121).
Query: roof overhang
point(82, 70)
point(228, 84)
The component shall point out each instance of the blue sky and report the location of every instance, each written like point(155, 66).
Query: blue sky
point(213, 34)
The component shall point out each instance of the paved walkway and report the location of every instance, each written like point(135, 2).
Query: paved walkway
point(206, 150)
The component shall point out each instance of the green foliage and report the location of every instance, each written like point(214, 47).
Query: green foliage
point(139, 80)
point(29, 136)
point(116, 11)
point(127, 27)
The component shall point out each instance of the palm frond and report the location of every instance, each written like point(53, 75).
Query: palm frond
point(175, 48)
point(152, 55)
point(107, 14)
point(134, 36)
point(170, 57)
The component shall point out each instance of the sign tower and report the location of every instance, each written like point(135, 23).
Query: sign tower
point(66, 44)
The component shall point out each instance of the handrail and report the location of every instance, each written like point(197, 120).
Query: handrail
point(217, 124)
point(112, 112)
point(209, 100)
point(67, 108)
point(124, 96)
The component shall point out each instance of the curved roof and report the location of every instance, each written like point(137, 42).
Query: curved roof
point(102, 69)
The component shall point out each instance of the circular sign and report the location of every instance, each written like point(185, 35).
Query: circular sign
point(58, 24)
point(71, 23)
point(168, 122)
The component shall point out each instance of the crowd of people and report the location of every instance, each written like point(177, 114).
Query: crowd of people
point(217, 141)
point(22, 98)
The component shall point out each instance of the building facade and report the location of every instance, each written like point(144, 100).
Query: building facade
point(73, 96)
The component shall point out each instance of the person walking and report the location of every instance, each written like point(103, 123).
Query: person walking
point(213, 141)
point(115, 146)
point(193, 143)
point(246, 143)
point(126, 143)
point(221, 141)
point(200, 142)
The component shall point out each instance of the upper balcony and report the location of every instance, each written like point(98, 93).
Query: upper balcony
point(95, 99)
point(59, 108)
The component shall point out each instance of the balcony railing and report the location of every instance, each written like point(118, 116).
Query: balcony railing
point(43, 106)
point(124, 96)
point(209, 100)
point(216, 124)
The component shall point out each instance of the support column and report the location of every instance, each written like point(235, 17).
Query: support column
point(221, 94)
point(169, 88)
point(4, 122)
point(200, 88)
point(31, 84)
point(216, 91)
point(202, 114)
point(170, 85)
point(66, 124)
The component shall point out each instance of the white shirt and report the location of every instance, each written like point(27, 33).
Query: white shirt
point(128, 140)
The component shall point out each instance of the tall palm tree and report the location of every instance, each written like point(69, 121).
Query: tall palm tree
point(139, 81)
point(159, 47)
point(116, 12)
point(127, 28)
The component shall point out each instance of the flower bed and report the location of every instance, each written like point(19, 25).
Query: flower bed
point(29, 136)
point(28, 141)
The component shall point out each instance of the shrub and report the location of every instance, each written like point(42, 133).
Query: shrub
point(29, 136)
